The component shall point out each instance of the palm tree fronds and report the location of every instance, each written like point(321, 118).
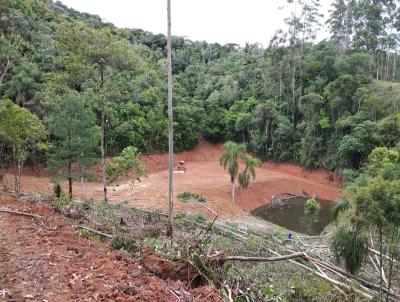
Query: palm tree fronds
point(339, 207)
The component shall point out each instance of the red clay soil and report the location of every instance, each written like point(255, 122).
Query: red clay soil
point(52, 263)
point(205, 176)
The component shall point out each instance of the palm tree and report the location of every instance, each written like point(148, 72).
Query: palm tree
point(250, 170)
point(230, 157)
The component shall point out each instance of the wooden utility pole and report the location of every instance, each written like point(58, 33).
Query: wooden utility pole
point(170, 129)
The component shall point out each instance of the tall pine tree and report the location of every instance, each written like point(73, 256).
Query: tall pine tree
point(76, 137)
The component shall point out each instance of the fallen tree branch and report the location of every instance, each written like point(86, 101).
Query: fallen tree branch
point(229, 295)
point(348, 275)
point(265, 259)
point(20, 213)
point(93, 231)
point(209, 228)
point(220, 258)
point(324, 276)
point(384, 255)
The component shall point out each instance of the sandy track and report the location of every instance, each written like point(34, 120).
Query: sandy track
point(204, 176)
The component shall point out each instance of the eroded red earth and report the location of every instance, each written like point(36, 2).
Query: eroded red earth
point(44, 260)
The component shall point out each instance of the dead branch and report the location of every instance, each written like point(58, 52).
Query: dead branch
point(20, 213)
point(324, 276)
point(384, 255)
point(343, 285)
point(94, 231)
point(175, 295)
point(362, 281)
point(209, 228)
point(208, 208)
point(229, 291)
point(47, 227)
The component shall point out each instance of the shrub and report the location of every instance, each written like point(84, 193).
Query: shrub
point(152, 232)
point(60, 203)
point(188, 196)
point(349, 246)
point(87, 205)
point(311, 211)
point(199, 218)
point(125, 243)
point(88, 235)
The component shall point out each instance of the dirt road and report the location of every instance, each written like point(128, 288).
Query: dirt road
point(51, 263)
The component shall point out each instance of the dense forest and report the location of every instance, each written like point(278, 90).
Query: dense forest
point(75, 78)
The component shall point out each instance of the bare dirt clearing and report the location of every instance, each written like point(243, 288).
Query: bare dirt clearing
point(39, 263)
point(204, 176)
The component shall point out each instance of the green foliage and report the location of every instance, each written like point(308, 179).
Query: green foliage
point(297, 100)
point(20, 128)
point(317, 290)
point(339, 207)
point(351, 246)
point(128, 161)
point(171, 249)
point(61, 202)
point(199, 218)
point(128, 244)
point(378, 203)
point(75, 135)
point(311, 211)
point(87, 205)
point(375, 199)
point(188, 196)
point(22, 132)
point(88, 235)
point(231, 154)
point(384, 162)
point(152, 232)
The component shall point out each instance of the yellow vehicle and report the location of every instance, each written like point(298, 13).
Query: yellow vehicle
point(181, 166)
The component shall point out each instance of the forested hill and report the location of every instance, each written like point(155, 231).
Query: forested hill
point(319, 104)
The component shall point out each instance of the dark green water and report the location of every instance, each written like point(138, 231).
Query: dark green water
point(291, 216)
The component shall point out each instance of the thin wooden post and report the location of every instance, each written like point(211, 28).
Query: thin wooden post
point(170, 128)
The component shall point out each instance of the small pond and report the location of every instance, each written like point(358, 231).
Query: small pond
point(290, 215)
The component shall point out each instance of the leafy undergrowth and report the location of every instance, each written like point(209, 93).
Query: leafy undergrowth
point(188, 196)
point(134, 230)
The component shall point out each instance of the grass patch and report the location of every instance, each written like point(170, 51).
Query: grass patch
point(88, 235)
point(188, 196)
